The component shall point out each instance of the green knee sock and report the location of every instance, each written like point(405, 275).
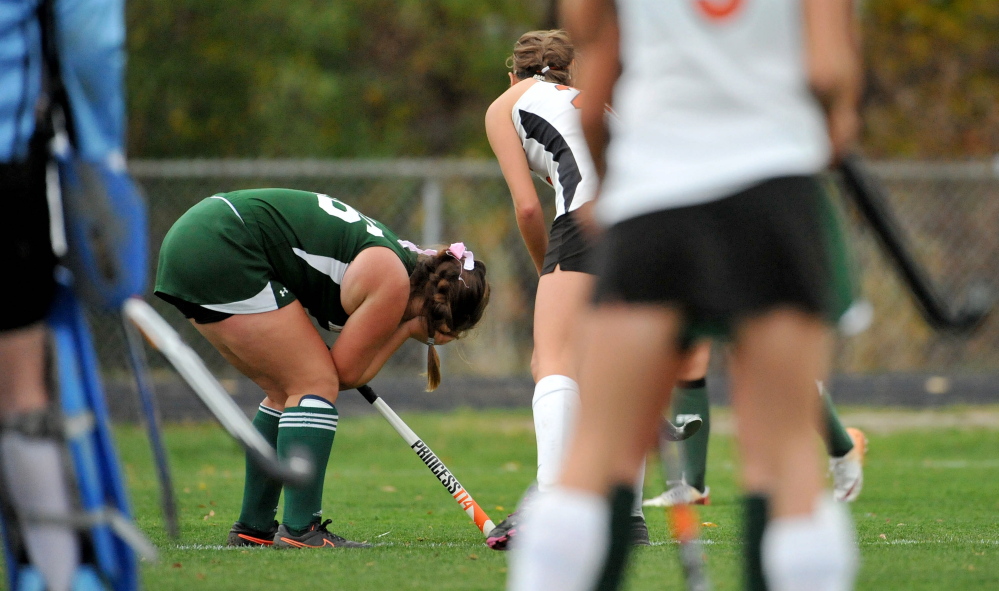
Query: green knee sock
point(621, 500)
point(755, 511)
point(692, 399)
point(261, 492)
point(838, 441)
point(311, 426)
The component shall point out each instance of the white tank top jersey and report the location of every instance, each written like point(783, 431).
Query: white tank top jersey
point(549, 127)
point(713, 98)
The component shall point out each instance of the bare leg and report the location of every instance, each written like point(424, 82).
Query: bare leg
point(560, 303)
point(775, 362)
point(283, 353)
point(22, 371)
point(629, 355)
point(808, 540)
point(280, 351)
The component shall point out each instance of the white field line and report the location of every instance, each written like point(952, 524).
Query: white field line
point(887, 421)
point(927, 542)
point(202, 547)
point(950, 464)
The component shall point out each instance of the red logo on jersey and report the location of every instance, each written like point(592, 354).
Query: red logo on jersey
point(575, 100)
point(719, 9)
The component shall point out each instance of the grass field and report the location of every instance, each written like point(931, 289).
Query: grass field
point(928, 517)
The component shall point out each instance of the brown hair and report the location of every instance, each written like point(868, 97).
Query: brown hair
point(536, 50)
point(453, 300)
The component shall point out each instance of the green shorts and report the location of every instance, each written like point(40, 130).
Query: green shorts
point(211, 266)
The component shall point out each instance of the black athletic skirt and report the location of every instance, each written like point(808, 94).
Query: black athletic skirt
point(568, 248)
point(775, 244)
point(27, 263)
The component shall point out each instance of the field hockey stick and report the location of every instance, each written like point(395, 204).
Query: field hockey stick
point(296, 469)
point(872, 200)
point(143, 384)
point(445, 476)
point(683, 520)
point(672, 432)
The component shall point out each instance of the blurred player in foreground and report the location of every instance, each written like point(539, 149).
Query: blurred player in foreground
point(716, 225)
point(249, 267)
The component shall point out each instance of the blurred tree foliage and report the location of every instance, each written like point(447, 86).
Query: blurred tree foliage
point(382, 78)
point(314, 78)
point(933, 78)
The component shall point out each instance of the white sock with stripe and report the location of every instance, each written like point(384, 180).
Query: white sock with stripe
point(310, 426)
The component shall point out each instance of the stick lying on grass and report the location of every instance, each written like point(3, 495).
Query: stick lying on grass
point(443, 474)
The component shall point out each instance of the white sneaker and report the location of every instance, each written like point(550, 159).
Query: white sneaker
point(680, 494)
point(848, 471)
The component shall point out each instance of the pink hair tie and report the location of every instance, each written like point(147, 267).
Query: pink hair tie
point(458, 251)
point(410, 246)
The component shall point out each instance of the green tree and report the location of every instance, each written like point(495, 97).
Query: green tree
point(318, 79)
point(932, 78)
point(384, 78)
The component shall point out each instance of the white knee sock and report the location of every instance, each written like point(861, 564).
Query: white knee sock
point(556, 400)
point(562, 544)
point(817, 552)
point(33, 473)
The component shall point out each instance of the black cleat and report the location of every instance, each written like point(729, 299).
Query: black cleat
point(314, 536)
point(639, 531)
point(499, 538)
point(244, 535)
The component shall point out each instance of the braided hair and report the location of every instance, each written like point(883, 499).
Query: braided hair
point(453, 300)
point(545, 55)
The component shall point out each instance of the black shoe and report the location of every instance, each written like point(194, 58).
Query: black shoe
point(314, 536)
point(639, 531)
point(499, 538)
point(244, 535)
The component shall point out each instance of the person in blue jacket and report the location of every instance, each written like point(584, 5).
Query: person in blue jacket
point(89, 40)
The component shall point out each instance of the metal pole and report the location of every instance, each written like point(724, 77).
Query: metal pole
point(433, 212)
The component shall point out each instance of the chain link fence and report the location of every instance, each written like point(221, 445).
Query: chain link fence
point(949, 212)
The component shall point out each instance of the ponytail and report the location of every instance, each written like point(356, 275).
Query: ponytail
point(433, 367)
point(453, 289)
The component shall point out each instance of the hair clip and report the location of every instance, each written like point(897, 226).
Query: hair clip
point(545, 69)
point(458, 251)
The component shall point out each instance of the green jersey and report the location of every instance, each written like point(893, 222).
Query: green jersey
point(258, 250)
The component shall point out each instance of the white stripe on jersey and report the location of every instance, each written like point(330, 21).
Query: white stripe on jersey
point(549, 127)
point(262, 302)
point(328, 266)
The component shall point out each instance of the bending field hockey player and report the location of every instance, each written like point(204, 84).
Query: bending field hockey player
point(248, 267)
